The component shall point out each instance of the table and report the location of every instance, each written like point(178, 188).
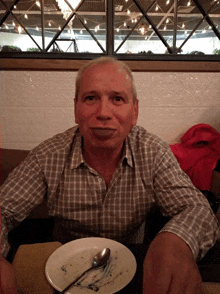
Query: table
point(30, 262)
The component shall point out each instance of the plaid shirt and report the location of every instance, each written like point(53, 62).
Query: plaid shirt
point(82, 205)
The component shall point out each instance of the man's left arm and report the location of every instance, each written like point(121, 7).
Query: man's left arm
point(191, 216)
point(170, 267)
point(170, 263)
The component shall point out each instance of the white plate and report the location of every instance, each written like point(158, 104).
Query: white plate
point(71, 259)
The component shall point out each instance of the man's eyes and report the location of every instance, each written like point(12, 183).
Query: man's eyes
point(118, 100)
point(91, 99)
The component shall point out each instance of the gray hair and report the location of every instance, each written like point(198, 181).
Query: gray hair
point(104, 60)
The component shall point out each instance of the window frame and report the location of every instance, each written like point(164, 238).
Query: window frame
point(137, 62)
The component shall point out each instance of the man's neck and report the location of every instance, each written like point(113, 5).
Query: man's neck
point(99, 156)
point(104, 161)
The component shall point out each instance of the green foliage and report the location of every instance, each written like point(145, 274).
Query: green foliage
point(216, 51)
point(33, 49)
point(9, 48)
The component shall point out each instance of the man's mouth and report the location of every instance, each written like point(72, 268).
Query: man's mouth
point(103, 132)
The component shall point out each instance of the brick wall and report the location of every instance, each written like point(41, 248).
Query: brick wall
point(36, 105)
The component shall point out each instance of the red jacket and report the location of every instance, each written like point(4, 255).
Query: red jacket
point(198, 154)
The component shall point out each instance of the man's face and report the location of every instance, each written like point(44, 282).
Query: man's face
point(104, 110)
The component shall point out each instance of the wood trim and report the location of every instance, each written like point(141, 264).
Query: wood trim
point(74, 65)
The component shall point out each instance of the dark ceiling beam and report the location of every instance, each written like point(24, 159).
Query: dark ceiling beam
point(59, 32)
point(109, 7)
point(153, 26)
point(8, 11)
point(90, 32)
point(26, 31)
point(206, 16)
point(134, 27)
point(162, 20)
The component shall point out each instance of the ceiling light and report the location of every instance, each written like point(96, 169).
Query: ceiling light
point(19, 29)
point(118, 8)
point(142, 29)
point(65, 9)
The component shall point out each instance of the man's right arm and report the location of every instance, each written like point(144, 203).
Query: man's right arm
point(7, 277)
point(24, 189)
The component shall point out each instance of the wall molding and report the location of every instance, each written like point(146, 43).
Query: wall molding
point(135, 65)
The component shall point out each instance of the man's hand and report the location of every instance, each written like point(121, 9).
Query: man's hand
point(170, 268)
point(7, 277)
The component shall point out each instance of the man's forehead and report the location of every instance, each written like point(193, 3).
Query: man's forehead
point(119, 68)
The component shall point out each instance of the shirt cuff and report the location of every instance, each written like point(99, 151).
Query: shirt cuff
point(184, 235)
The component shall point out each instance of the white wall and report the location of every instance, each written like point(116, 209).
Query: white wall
point(36, 105)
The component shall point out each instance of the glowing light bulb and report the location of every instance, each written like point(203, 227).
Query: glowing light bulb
point(125, 24)
point(168, 1)
point(26, 16)
point(19, 29)
point(156, 8)
point(85, 21)
point(117, 29)
point(189, 3)
point(38, 3)
point(128, 11)
point(167, 21)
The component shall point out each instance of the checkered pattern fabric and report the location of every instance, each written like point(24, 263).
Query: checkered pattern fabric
point(82, 205)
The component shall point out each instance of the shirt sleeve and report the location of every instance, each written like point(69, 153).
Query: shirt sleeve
point(24, 189)
point(192, 218)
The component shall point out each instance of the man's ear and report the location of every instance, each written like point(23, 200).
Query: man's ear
point(135, 112)
point(75, 110)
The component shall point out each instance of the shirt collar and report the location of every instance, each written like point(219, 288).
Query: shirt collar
point(77, 156)
point(127, 155)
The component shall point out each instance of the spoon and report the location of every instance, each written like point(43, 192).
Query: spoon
point(99, 260)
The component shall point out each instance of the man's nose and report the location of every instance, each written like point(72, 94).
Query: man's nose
point(104, 110)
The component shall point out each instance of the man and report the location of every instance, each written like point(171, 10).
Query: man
point(103, 176)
